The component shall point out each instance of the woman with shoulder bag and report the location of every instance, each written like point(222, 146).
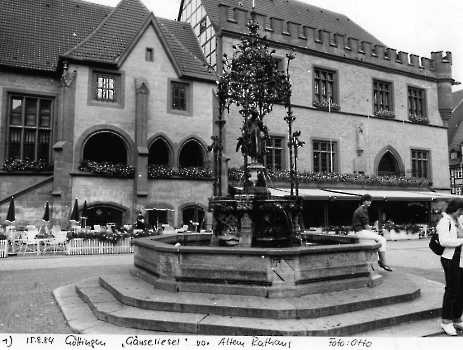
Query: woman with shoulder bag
point(450, 234)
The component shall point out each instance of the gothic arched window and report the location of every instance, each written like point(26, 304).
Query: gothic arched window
point(388, 165)
point(159, 153)
point(191, 155)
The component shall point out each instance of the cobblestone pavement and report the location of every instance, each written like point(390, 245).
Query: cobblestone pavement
point(27, 282)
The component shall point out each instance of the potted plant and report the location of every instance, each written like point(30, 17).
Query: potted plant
point(394, 231)
point(413, 231)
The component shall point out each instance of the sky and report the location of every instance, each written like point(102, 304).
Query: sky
point(414, 26)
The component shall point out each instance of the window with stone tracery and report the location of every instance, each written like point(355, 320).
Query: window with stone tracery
point(416, 102)
point(324, 156)
point(325, 86)
point(105, 87)
point(420, 163)
point(179, 98)
point(29, 128)
point(382, 96)
point(274, 156)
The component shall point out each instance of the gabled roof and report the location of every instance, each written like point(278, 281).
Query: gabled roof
point(185, 48)
point(457, 98)
point(113, 35)
point(298, 12)
point(34, 33)
point(80, 30)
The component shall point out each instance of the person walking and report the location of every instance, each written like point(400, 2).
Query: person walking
point(140, 223)
point(362, 229)
point(450, 234)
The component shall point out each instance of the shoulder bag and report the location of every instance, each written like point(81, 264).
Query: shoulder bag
point(435, 245)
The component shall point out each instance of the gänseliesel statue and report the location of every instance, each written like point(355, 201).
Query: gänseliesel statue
point(254, 138)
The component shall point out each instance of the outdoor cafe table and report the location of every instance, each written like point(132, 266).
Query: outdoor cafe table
point(42, 239)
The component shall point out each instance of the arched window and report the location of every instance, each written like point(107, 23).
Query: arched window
point(159, 153)
point(191, 155)
point(159, 213)
point(102, 215)
point(105, 146)
point(194, 214)
point(388, 165)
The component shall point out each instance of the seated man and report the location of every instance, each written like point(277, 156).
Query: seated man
point(362, 229)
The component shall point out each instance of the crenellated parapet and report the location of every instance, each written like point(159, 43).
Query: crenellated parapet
point(289, 33)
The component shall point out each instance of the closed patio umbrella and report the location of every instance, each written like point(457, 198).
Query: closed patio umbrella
point(75, 212)
point(11, 216)
point(46, 215)
point(195, 220)
point(84, 215)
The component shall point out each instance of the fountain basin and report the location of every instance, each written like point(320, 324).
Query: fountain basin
point(267, 272)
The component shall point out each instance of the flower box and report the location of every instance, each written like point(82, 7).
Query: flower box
point(107, 169)
point(393, 235)
point(385, 114)
point(418, 119)
point(80, 246)
point(326, 105)
point(4, 248)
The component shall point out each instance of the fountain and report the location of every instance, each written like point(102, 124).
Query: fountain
point(258, 246)
point(250, 217)
point(258, 273)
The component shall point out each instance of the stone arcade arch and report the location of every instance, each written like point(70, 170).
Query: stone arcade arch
point(188, 213)
point(105, 146)
point(104, 213)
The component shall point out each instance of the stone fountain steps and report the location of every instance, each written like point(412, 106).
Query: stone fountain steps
point(127, 301)
point(133, 291)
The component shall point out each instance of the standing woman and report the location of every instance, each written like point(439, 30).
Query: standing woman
point(451, 237)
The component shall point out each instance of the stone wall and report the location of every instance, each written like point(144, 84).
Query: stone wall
point(356, 110)
point(29, 206)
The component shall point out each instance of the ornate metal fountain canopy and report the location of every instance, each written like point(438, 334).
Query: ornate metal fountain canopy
point(251, 77)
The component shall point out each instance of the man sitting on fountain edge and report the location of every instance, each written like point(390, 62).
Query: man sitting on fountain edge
point(362, 229)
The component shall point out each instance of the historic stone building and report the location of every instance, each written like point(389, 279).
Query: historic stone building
point(116, 107)
point(112, 106)
point(364, 109)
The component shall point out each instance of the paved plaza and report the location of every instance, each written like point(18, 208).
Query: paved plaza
point(27, 282)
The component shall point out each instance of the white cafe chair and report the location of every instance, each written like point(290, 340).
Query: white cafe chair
point(167, 229)
point(28, 240)
point(58, 243)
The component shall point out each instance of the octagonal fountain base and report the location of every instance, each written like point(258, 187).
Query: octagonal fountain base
point(187, 263)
